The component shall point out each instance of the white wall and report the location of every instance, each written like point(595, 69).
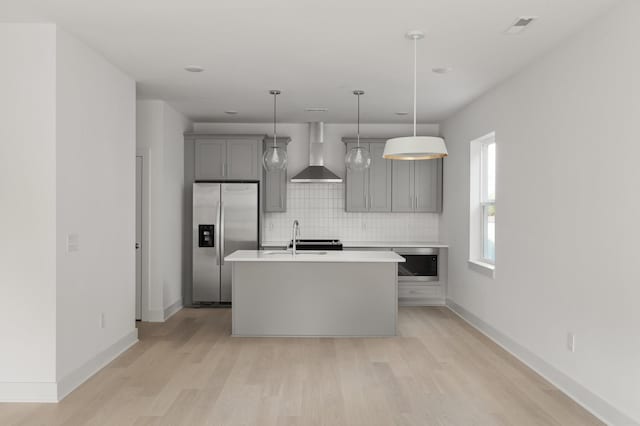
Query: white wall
point(67, 148)
point(568, 144)
point(160, 142)
point(334, 149)
point(27, 211)
point(95, 178)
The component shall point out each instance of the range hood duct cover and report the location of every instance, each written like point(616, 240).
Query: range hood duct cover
point(316, 172)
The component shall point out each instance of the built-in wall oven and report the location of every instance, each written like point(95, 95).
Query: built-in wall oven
point(421, 264)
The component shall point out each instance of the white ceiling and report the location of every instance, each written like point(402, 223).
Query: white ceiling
point(316, 52)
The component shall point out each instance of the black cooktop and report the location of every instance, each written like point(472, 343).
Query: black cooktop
point(317, 244)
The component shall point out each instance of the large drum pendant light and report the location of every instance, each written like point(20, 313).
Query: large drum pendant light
point(275, 157)
point(415, 147)
point(358, 158)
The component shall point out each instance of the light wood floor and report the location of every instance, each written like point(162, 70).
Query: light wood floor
point(188, 371)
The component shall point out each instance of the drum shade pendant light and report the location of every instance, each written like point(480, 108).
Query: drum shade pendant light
point(275, 157)
point(415, 147)
point(358, 158)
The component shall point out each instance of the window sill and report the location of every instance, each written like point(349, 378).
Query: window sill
point(482, 267)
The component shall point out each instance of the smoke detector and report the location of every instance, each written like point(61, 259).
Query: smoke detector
point(520, 24)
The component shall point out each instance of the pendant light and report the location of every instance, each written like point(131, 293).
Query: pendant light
point(415, 147)
point(275, 157)
point(358, 158)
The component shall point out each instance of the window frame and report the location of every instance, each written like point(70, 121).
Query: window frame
point(485, 201)
point(481, 204)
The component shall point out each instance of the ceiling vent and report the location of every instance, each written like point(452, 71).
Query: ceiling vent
point(521, 24)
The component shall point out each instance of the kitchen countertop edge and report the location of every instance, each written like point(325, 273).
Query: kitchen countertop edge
point(328, 257)
point(372, 244)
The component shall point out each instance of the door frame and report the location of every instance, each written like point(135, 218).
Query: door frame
point(144, 291)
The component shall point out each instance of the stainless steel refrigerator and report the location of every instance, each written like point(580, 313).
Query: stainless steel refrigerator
point(225, 219)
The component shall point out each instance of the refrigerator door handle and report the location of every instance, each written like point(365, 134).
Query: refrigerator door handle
point(218, 229)
point(221, 233)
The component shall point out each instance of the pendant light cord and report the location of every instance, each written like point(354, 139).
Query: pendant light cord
point(358, 120)
point(275, 96)
point(415, 81)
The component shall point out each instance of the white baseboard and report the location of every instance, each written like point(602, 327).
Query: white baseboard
point(55, 392)
point(161, 315)
point(427, 301)
point(77, 377)
point(171, 310)
point(28, 392)
point(154, 315)
point(583, 396)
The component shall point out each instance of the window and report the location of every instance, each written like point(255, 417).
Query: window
point(482, 220)
point(488, 200)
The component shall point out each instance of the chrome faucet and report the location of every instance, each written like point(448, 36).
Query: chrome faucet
point(295, 234)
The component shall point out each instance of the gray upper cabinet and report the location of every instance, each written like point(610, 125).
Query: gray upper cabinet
point(275, 183)
point(242, 159)
point(227, 158)
point(379, 180)
point(417, 186)
point(210, 159)
point(369, 190)
point(402, 199)
point(428, 185)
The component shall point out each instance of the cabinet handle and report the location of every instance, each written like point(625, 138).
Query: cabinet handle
point(411, 201)
point(369, 201)
point(224, 169)
point(417, 201)
point(281, 201)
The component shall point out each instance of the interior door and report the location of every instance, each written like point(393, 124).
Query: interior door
point(206, 242)
point(239, 227)
point(138, 238)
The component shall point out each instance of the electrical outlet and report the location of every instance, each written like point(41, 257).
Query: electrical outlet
point(102, 321)
point(571, 341)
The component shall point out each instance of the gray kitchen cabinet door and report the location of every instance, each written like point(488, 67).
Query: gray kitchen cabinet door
point(428, 186)
point(242, 159)
point(402, 192)
point(210, 159)
point(357, 189)
point(379, 180)
point(275, 187)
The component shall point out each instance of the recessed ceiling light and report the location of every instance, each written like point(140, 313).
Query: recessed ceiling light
point(231, 112)
point(402, 113)
point(194, 68)
point(442, 70)
point(316, 109)
point(520, 24)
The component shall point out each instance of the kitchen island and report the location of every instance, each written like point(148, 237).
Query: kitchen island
point(332, 293)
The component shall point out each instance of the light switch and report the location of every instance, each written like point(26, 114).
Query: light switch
point(73, 243)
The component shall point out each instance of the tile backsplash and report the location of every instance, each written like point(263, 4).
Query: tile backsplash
point(319, 207)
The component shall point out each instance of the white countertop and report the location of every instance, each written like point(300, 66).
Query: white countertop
point(329, 257)
point(373, 244)
point(393, 244)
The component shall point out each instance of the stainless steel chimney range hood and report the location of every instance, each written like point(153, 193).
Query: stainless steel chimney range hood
point(316, 172)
